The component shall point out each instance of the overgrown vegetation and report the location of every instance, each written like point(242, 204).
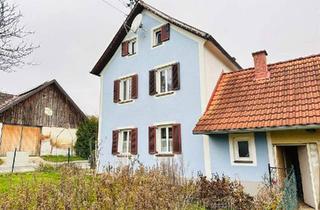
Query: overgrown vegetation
point(60, 158)
point(222, 192)
point(129, 187)
point(87, 135)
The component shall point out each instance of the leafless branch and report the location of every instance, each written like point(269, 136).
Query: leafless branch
point(13, 45)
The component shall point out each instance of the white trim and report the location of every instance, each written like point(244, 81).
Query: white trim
point(120, 141)
point(100, 123)
point(252, 148)
point(126, 128)
point(203, 85)
point(206, 154)
point(164, 123)
point(129, 38)
point(270, 150)
point(127, 76)
point(312, 175)
point(152, 37)
point(170, 63)
point(158, 139)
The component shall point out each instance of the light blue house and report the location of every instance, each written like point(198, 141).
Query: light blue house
point(157, 76)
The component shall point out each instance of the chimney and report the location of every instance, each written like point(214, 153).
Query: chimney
point(260, 65)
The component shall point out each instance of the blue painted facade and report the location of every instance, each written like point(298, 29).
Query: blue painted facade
point(221, 163)
point(184, 106)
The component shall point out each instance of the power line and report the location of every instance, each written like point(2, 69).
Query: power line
point(123, 3)
point(111, 5)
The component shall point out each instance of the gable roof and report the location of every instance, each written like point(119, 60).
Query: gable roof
point(290, 98)
point(8, 101)
point(122, 32)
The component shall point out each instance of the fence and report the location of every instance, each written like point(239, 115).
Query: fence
point(289, 200)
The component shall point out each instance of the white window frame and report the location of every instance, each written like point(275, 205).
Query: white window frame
point(128, 90)
point(165, 69)
point(120, 142)
point(130, 53)
point(159, 140)
point(234, 152)
point(154, 37)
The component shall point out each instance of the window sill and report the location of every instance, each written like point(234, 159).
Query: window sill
point(164, 94)
point(125, 102)
point(165, 155)
point(157, 45)
point(244, 161)
point(125, 155)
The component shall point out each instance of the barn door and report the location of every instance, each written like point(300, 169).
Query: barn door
point(30, 140)
point(26, 139)
point(10, 139)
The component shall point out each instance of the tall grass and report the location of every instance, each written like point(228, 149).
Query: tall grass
point(128, 187)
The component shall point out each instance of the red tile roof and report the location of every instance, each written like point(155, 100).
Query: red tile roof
point(291, 97)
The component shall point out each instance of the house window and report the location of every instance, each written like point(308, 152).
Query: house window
point(129, 47)
point(157, 37)
point(125, 142)
point(132, 47)
point(242, 148)
point(164, 77)
point(165, 139)
point(125, 89)
point(161, 34)
point(164, 80)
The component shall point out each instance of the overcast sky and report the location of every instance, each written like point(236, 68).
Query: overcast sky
point(73, 34)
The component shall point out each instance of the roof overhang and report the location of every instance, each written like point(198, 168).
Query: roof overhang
point(125, 27)
point(263, 129)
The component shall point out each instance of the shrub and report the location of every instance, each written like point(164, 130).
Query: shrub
point(222, 192)
point(1, 162)
point(123, 188)
point(269, 197)
point(87, 133)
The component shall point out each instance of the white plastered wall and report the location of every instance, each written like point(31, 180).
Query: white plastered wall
point(212, 64)
point(56, 141)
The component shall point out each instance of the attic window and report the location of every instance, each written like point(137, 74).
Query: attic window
point(161, 35)
point(157, 37)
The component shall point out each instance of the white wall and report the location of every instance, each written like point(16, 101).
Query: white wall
point(57, 140)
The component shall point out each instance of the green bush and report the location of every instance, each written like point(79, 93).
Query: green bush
point(1, 161)
point(87, 133)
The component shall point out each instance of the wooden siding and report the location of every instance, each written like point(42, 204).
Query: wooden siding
point(31, 112)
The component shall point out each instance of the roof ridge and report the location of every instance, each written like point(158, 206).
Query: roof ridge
point(277, 63)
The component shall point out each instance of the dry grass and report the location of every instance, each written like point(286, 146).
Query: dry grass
point(130, 187)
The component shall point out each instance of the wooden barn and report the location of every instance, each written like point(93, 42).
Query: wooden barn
point(41, 120)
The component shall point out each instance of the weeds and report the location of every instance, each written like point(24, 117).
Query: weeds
point(129, 187)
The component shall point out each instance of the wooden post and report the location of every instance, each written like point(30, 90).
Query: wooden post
point(68, 155)
point(14, 159)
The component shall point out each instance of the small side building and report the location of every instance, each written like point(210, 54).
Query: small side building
point(267, 115)
point(42, 121)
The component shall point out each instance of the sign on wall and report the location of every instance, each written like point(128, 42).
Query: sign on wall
point(48, 111)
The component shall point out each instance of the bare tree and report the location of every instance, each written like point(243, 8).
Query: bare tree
point(13, 44)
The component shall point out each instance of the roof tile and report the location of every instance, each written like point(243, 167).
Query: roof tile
point(290, 97)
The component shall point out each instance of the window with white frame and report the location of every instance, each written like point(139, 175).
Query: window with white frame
point(132, 47)
point(124, 142)
point(125, 89)
point(242, 148)
point(164, 139)
point(157, 37)
point(164, 80)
